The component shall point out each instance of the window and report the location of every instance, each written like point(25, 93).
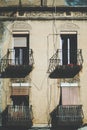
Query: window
point(68, 49)
point(21, 49)
point(70, 94)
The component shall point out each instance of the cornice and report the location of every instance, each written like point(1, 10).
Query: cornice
point(37, 15)
point(44, 13)
point(43, 8)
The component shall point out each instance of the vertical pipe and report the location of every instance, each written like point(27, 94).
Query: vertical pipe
point(41, 2)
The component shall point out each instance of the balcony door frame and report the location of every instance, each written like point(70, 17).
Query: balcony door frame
point(68, 46)
point(21, 52)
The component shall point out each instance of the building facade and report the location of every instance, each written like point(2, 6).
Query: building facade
point(43, 63)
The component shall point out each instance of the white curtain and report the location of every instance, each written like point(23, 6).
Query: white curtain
point(70, 96)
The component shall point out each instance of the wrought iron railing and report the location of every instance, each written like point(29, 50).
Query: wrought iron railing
point(57, 59)
point(9, 59)
point(3, 63)
point(70, 113)
point(15, 115)
point(18, 113)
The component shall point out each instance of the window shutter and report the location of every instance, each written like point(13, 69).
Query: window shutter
point(20, 42)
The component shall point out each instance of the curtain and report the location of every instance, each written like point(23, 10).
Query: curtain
point(70, 96)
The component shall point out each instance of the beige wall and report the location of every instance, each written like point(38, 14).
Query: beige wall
point(44, 92)
point(55, 2)
point(32, 2)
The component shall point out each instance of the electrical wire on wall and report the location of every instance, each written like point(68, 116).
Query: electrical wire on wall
point(41, 84)
point(54, 28)
point(49, 86)
point(55, 40)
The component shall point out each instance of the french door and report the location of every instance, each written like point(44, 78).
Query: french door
point(68, 49)
point(21, 49)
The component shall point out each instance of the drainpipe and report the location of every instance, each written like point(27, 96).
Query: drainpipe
point(41, 2)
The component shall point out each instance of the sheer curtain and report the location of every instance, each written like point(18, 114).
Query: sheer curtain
point(70, 95)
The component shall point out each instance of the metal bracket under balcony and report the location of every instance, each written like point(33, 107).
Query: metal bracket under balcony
point(67, 115)
point(16, 67)
point(65, 65)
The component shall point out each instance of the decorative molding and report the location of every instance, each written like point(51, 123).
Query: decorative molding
point(69, 27)
point(21, 25)
point(76, 79)
point(43, 15)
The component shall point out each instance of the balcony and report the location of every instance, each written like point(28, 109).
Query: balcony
point(61, 66)
point(67, 115)
point(13, 67)
point(17, 116)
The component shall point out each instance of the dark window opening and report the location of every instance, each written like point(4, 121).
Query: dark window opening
point(21, 49)
point(69, 48)
point(21, 100)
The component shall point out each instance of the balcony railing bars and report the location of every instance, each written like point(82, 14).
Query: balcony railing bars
point(9, 59)
point(17, 116)
point(79, 57)
point(18, 113)
point(72, 113)
point(3, 63)
point(56, 59)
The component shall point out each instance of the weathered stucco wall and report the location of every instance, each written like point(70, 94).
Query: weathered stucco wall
point(35, 3)
point(45, 92)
